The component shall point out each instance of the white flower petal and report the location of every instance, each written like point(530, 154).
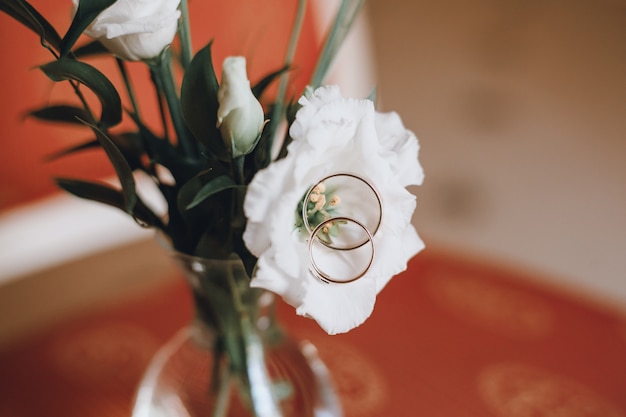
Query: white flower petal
point(270, 276)
point(136, 29)
point(338, 308)
point(265, 189)
point(398, 208)
point(395, 254)
point(256, 238)
point(240, 116)
point(333, 135)
point(401, 146)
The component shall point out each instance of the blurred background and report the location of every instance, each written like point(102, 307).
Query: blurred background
point(520, 108)
point(520, 111)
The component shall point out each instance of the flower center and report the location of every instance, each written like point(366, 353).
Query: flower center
point(319, 205)
point(323, 204)
point(339, 230)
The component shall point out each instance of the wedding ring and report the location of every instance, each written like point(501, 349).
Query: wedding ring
point(354, 210)
point(339, 255)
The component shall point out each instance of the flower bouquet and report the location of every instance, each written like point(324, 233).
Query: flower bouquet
point(302, 195)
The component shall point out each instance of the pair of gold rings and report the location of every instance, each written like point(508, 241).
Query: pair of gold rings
point(334, 259)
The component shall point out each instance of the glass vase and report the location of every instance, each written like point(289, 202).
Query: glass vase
point(233, 359)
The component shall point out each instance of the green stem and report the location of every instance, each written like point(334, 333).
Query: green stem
point(238, 173)
point(160, 101)
point(76, 86)
point(263, 399)
point(255, 376)
point(339, 30)
point(162, 70)
point(234, 290)
point(279, 105)
point(238, 219)
point(185, 35)
point(223, 394)
point(129, 87)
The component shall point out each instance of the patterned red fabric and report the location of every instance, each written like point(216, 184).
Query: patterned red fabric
point(449, 338)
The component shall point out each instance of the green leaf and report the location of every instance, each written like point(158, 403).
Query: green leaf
point(265, 82)
point(108, 195)
point(69, 69)
point(192, 187)
point(162, 152)
point(122, 168)
point(26, 14)
point(208, 225)
point(81, 147)
point(199, 103)
point(60, 113)
point(164, 80)
point(131, 146)
point(128, 143)
point(87, 11)
point(221, 183)
point(344, 19)
point(373, 95)
point(90, 49)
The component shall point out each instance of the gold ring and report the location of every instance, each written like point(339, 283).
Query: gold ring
point(311, 230)
point(325, 277)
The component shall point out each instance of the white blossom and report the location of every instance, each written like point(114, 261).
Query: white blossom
point(332, 134)
point(136, 30)
point(240, 116)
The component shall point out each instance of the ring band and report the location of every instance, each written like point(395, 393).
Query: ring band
point(313, 230)
point(325, 277)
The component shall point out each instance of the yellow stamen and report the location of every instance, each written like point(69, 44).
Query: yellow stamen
point(321, 202)
point(314, 197)
point(319, 188)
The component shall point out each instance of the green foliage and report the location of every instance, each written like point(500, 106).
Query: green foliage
point(108, 195)
point(24, 13)
point(214, 186)
point(69, 69)
point(122, 168)
point(128, 143)
point(212, 180)
point(87, 11)
point(73, 149)
point(199, 104)
point(259, 88)
point(202, 182)
point(346, 15)
point(62, 113)
point(89, 49)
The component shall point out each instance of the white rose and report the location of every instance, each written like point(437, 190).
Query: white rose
point(332, 134)
point(240, 116)
point(136, 30)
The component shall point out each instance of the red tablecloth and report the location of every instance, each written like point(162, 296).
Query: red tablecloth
point(448, 338)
